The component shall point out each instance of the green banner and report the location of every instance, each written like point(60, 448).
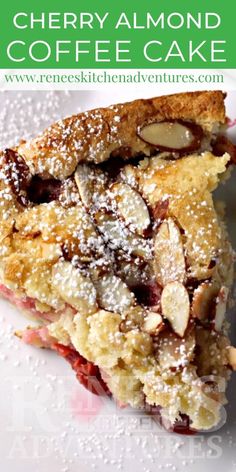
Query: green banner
point(123, 34)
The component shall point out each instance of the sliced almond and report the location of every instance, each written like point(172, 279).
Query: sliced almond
point(153, 323)
point(203, 299)
point(232, 357)
point(129, 175)
point(221, 303)
point(172, 135)
point(76, 289)
point(176, 306)
point(133, 271)
point(131, 207)
point(140, 247)
point(169, 261)
point(16, 174)
point(174, 352)
point(113, 294)
point(159, 210)
point(119, 237)
point(91, 183)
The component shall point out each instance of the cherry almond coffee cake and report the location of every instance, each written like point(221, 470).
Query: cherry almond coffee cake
point(110, 240)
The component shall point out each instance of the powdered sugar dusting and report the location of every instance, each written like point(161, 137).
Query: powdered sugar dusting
point(23, 116)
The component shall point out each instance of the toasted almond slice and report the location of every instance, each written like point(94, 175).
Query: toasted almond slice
point(169, 261)
point(159, 210)
point(232, 357)
point(153, 323)
point(76, 289)
point(131, 207)
point(221, 303)
point(119, 237)
point(133, 271)
point(174, 352)
point(16, 174)
point(172, 135)
point(203, 299)
point(176, 306)
point(129, 175)
point(140, 247)
point(91, 183)
point(113, 294)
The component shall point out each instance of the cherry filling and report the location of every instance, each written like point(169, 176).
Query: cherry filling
point(222, 145)
point(181, 426)
point(25, 303)
point(148, 294)
point(120, 158)
point(87, 373)
point(89, 376)
point(27, 188)
point(43, 191)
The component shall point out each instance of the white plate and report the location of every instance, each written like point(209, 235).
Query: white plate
point(48, 422)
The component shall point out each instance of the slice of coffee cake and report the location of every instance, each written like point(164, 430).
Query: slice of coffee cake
point(111, 240)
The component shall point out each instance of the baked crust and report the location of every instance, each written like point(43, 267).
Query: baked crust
point(92, 136)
